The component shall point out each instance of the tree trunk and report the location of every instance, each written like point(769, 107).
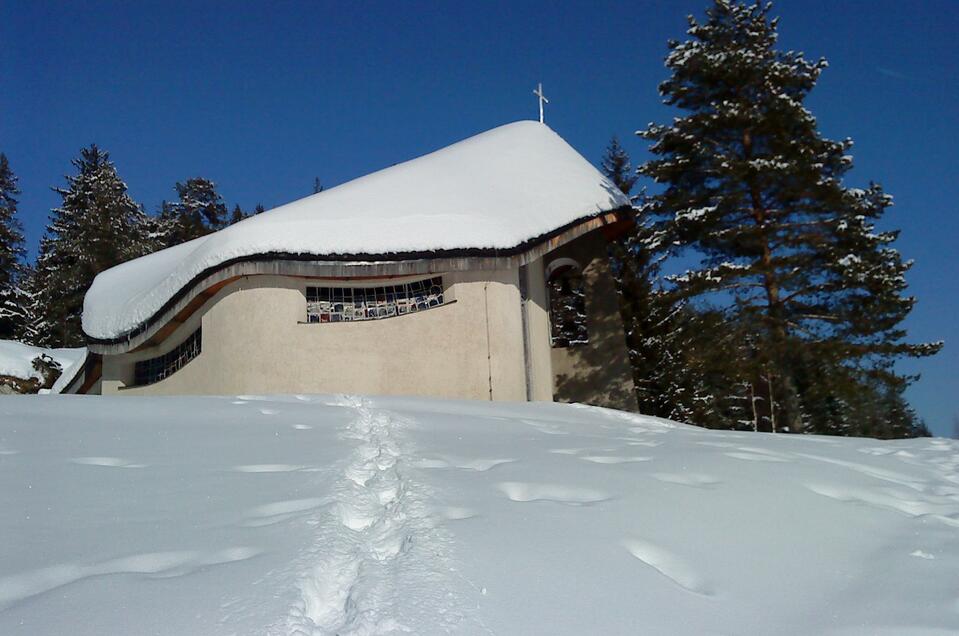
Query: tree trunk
point(789, 410)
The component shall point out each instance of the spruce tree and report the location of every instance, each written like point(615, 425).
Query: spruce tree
point(12, 299)
point(96, 226)
point(617, 167)
point(160, 229)
point(650, 320)
point(199, 211)
point(237, 215)
point(34, 323)
point(755, 193)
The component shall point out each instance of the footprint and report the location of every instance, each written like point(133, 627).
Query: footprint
point(268, 468)
point(877, 450)
point(111, 462)
point(755, 457)
point(389, 545)
point(669, 565)
point(569, 495)
point(456, 513)
point(449, 461)
point(431, 463)
point(354, 518)
point(613, 459)
point(388, 493)
point(577, 451)
point(696, 480)
point(718, 444)
point(660, 430)
point(359, 475)
point(545, 427)
point(482, 465)
point(279, 511)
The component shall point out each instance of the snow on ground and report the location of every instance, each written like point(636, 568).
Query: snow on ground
point(16, 358)
point(348, 515)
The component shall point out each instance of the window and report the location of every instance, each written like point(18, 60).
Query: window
point(567, 304)
point(349, 304)
point(155, 369)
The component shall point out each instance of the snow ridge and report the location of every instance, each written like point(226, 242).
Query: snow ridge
point(363, 560)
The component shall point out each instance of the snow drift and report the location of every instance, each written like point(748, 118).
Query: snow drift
point(346, 515)
point(16, 359)
point(492, 191)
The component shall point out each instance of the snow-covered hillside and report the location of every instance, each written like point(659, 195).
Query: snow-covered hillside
point(340, 515)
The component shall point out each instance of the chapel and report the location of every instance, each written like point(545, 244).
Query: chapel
point(479, 271)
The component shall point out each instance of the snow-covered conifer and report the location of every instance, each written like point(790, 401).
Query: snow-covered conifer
point(237, 215)
point(651, 319)
point(199, 210)
point(617, 167)
point(756, 193)
point(12, 310)
point(96, 226)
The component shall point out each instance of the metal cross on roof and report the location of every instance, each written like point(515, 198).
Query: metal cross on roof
point(542, 99)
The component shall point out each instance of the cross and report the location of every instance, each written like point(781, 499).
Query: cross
point(542, 98)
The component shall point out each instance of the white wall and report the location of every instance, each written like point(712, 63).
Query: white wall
point(254, 342)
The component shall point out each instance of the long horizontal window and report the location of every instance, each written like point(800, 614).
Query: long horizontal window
point(348, 304)
point(155, 369)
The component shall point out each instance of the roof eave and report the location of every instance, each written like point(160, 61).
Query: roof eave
point(194, 294)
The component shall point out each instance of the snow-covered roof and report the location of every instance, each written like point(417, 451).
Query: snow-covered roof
point(495, 191)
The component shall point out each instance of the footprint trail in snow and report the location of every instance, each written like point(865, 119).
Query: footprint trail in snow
point(377, 544)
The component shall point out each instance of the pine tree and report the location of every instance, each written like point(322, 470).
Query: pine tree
point(12, 309)
point(199, 211)
point(754, 191)
point(161, 230)
point(617, 168)
point(96, 227)
point(34, 323)
point(650, 319)
point(237, 215)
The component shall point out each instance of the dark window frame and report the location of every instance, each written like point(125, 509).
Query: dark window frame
point(566, 293)
point(360, 304)
point(153, 370)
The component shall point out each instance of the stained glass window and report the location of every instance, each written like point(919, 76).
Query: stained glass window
point(349, 304)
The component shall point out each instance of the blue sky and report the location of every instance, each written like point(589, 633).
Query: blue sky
point(264, 97)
